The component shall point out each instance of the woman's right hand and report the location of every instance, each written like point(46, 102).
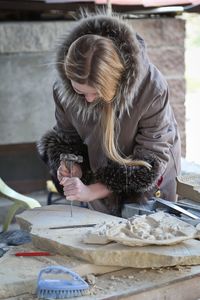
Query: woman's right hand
point(63, 171)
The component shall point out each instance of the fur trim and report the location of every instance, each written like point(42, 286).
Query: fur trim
point(126, 180)
point(131, 48)
point(52, 144)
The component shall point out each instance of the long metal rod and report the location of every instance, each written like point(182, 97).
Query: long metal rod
point(177, 208)
point(73, 226)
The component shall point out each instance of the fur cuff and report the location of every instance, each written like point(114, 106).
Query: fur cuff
point(125, 179)
point(52, 144)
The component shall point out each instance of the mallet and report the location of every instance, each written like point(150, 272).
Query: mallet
point(69, 160)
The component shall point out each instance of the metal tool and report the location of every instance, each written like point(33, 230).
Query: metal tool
point(177, 208)
point(73, 226)
point(187, 213)
point(69, 160)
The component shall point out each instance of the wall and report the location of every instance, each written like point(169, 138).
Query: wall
point(165, 40)
point(27, 73)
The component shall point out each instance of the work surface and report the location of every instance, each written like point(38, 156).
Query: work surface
point(69, 241)
point(18, 279)
point(18, 275)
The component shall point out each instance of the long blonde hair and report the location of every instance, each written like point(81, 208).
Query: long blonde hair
point(94, 60)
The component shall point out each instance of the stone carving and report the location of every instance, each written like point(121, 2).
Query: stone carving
point(156, 229)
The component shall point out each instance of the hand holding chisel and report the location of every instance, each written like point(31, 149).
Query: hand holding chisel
point(69, 160)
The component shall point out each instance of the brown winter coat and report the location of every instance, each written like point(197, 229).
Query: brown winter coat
point(148, 129)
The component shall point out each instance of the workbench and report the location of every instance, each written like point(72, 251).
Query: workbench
point(18, 275)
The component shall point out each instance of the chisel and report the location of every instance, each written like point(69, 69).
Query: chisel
point(176, 208)
point(69, 160)
point(73, 226)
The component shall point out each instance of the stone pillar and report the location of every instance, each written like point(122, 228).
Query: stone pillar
point(165, 44)
point(26, 78)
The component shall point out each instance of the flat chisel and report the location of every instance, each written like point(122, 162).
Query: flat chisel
point(176, 208)
point(73, 226)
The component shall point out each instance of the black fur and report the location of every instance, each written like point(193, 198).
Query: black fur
point(52, 144)
point(130, 179)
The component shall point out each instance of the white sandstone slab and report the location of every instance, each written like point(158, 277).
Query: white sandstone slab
point(69, 241)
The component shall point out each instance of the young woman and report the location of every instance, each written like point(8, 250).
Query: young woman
point(112, 108)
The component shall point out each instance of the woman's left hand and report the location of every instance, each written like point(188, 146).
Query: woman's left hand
point(74, 189)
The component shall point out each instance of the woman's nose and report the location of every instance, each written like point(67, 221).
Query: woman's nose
point(90, 97)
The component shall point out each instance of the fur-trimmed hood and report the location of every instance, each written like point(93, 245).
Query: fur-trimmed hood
point(132, 50)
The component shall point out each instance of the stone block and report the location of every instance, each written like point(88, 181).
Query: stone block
point(183, 145)
point(27, 108)
point(177, 90)
point(70, 241)
point(31, 36)
point(179, 112)
point(160, 32)
point(42, 36)
point(169, 60)
point(177, 100)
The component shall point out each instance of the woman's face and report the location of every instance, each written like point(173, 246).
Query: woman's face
point(89, 92)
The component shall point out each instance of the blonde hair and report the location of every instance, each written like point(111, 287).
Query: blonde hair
point(94, 60)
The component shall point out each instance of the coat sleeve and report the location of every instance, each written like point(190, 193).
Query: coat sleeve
point(152, 142)
point(63, 138)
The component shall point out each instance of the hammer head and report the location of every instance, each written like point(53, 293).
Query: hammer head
point(71, 158)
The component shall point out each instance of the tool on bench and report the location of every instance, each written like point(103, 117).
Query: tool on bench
point(33, 253)
point(177, 208)
point(69, 160)
point(74, 226)
point(48, 288)
point(187, 213)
